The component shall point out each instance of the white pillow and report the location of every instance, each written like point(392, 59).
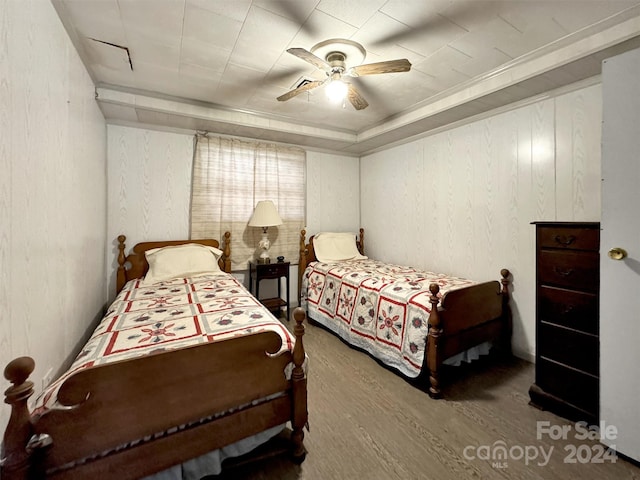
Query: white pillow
point(336, 247)
point(180, 261)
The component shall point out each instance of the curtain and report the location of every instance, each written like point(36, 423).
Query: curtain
point(230, 176)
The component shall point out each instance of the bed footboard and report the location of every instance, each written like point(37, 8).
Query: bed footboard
point(126, 413)
point(464, 318)
point(14, 456)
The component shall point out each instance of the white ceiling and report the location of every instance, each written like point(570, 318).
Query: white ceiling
point(219, 65)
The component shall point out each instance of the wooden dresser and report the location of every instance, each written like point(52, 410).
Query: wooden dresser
point(567, 344)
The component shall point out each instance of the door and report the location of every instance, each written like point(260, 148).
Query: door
point(620, 278)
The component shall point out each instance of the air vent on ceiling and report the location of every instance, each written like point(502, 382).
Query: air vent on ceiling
point(302, 81)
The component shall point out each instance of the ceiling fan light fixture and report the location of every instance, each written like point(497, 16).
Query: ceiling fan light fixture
point(337, 91)
point(330, 57)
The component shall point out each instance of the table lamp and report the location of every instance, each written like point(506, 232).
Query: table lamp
point(265, 215)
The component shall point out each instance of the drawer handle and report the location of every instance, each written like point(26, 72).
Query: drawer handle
point(562, 271)
point(565, 240)
point(567, 309)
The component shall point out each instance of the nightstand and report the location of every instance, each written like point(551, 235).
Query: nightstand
point(261, 271)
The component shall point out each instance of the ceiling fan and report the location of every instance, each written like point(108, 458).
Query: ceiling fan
point(331, 56)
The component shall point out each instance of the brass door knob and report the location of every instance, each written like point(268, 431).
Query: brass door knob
point(617, 253)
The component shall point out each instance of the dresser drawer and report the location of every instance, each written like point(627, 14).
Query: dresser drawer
point(567, 319)
point(569, 308)
point(575, 388)
point(569, 347)
point(575, 270)
point(274, 270)
point(569, 238)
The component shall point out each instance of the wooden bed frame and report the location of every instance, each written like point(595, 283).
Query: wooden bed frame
point(462, 319)
point(122, 416)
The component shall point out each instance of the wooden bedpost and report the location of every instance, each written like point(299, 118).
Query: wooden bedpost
point(360, 242)
point(299, 415)
point(121, 274)
point(14, 455)
point(302, 262)
point(226, 256)
point(433, 340)
point(505, 339)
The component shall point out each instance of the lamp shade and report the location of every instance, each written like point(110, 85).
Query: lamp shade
point(265, 215)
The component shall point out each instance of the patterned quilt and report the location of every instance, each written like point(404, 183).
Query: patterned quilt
point(379, 307)
point(146, 319)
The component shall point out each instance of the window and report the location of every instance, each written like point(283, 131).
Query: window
point(230, 176)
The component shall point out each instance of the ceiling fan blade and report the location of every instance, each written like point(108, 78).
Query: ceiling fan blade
point(309, 57)
point(389, 66)
point(379, 98)
point(297, 91)
point(357, 100)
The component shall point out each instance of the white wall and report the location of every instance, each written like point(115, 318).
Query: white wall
point(52, 192)
point(150, 189)
point(333, 193)
point(461, 201)
point(149, 177)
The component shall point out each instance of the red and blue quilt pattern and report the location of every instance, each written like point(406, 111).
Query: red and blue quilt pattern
point(379, 307)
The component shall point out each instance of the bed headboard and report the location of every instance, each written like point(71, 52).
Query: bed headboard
point(135, 264)
point(308, 254)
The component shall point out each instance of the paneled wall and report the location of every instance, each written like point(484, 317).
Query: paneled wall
point(52, 192)
point(150, 188)
point(461, 201)
point(149, 178)
point(333, 193)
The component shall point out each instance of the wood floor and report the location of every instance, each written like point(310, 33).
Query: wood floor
point(369, 423)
